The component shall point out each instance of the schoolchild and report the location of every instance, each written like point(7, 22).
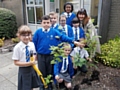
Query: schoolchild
point(63, 71)
point(54, 20)
point(68, 12)
point(77, 30)
point(83, 54)
point(27, 77)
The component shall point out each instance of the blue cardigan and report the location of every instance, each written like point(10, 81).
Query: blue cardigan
point(58, 66)
point(81, 33)
point(69, 20)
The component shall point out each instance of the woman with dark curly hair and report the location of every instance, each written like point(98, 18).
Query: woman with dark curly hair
point(87, 25)
point(68, 12)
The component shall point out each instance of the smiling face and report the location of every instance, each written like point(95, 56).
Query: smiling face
point(25, 38)
point(67, 49)
point(62, 20)
point(68, 8)
point(24, 34)
point(81, 16)
point(46, 24)
point(53, 18)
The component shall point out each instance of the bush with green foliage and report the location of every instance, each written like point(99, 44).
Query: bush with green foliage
point(8, 25)
point(1, 42)
point(110, 53)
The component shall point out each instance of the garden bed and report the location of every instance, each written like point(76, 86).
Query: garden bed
point(109, 79)
point(7, 47)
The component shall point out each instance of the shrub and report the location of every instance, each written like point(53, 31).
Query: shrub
point(8, 25)
point(1, 42)
point(15, 40)
point(110, 53)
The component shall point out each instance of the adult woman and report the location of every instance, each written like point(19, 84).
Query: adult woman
point(87, 25)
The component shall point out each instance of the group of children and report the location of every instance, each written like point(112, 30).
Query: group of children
point(51, 34)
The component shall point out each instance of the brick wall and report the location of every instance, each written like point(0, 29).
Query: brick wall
point(114, 22)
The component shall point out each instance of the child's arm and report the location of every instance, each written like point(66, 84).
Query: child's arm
point(87, 56)
point(19, 63)
point(73, 64)
point(89, 59)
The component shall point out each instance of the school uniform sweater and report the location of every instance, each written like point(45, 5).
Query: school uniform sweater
point(43, 40)
point(68, 31)
point(70, 18)
point(80, 32)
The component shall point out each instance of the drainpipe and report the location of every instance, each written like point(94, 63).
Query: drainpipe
point(99, 13)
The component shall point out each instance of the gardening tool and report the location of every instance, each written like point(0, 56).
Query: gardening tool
point(37, 70)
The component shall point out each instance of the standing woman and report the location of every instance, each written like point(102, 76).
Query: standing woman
point(86, 24)
point(68, 12)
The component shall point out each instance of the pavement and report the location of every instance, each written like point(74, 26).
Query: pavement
point(8, 72)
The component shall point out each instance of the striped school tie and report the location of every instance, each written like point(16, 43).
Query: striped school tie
point(76, 34)
point(64, 30)
point(68, 15)
point(27, 54)
point(65, 64)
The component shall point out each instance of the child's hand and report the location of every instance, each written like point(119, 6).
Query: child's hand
point(78, 44)
point(32, 62)
point(57, 77)
point(75, 67)
point(90, 59)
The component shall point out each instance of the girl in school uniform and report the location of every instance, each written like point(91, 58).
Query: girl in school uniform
point(63, 71)
point(27, 78)
point(68, 12)
point(65, 29)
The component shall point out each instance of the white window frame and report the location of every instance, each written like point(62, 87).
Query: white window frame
point(34, 6)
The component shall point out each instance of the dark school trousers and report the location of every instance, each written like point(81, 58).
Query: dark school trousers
point(45, 66)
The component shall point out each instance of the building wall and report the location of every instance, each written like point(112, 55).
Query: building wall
point(16, 7)
point(104, 20)
point(114, 22)
point(109, 20)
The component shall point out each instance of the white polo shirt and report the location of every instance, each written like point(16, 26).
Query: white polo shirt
point(19, 51)
point(82, 52)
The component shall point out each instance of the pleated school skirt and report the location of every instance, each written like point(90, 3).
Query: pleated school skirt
point(65, 76)
point(27, 78)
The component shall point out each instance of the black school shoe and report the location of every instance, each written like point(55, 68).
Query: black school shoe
point(60, 86)
point(76, 87)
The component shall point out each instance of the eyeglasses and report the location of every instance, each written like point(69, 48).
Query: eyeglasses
point(25, 35)
point(62, 20)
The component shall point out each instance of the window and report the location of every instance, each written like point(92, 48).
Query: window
point(39, 14)
point(31, 17)
point(34, 11)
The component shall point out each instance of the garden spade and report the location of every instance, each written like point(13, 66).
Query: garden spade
point(37, 70)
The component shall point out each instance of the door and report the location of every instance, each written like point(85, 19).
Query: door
point(34, 12)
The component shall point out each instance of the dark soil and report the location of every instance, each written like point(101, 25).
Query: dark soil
point(109, 79)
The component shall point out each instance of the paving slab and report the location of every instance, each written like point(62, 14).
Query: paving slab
point(7, 85)
point(9, 71)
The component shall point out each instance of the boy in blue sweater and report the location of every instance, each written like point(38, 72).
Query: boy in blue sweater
point(43, 39)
